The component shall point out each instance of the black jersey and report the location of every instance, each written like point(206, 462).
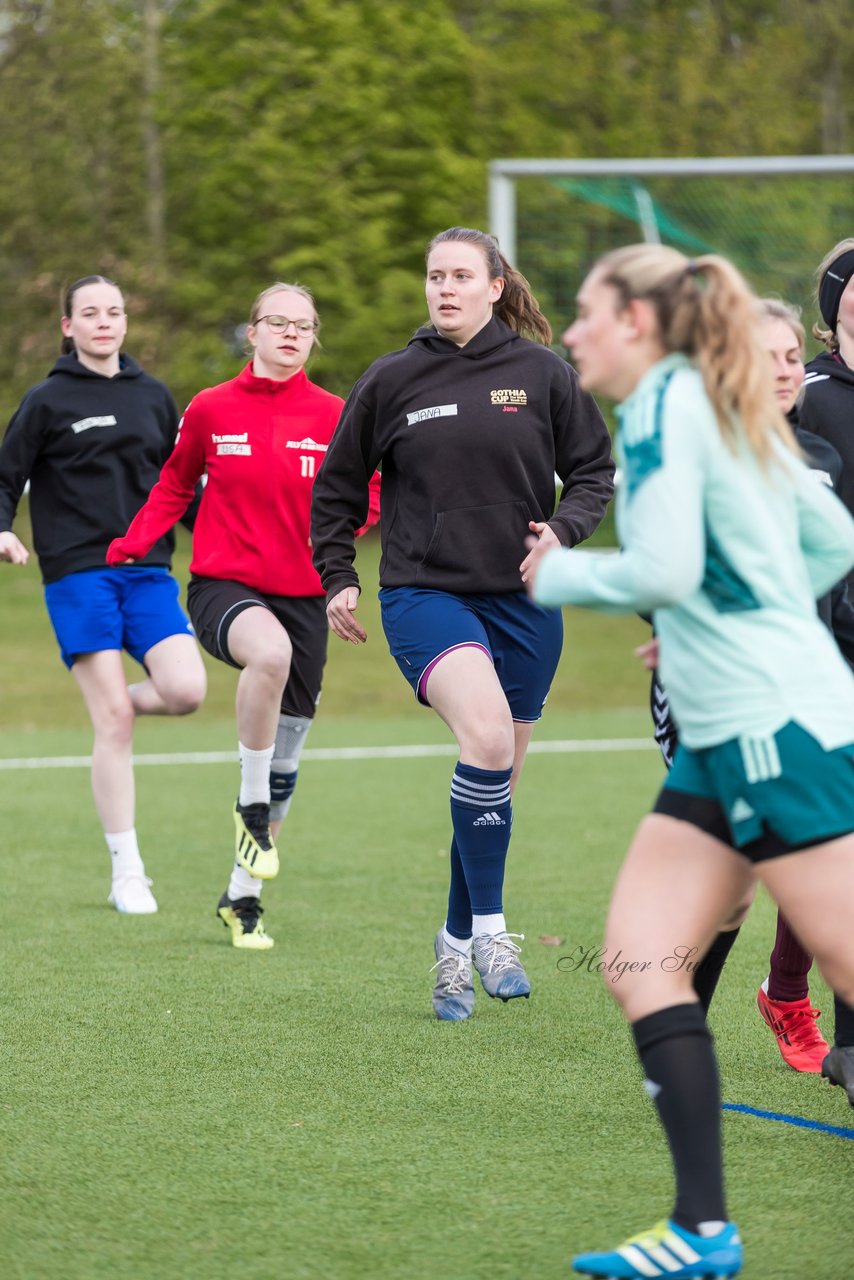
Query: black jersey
point(91, 448)
point(827, 409)
point(469, 439)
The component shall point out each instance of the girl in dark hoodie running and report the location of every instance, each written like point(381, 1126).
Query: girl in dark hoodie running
point(827, 408)
point(91, 439)
point(470, 422)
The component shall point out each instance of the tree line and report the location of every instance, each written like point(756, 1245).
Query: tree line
point(197, 150)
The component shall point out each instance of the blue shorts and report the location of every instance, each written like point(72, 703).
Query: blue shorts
point(764, 797)
point(522, 639)
point(98, 609)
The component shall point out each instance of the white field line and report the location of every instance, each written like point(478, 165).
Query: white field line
point(559, 747)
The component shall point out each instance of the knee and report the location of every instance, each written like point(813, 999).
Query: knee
point(274, 662)
point(114, 721)
point(490, 746)
point(183, 697)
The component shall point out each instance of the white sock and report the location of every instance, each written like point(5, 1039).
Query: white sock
point(242, 884)
point(711, 1228)
point(124, 853)
point(456, 944)
point(255, 774)
point(488, 924)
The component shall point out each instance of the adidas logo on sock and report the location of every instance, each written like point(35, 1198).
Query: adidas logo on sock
point(489, 820)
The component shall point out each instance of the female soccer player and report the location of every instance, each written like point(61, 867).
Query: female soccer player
point(91, 440)
point(254, 598)
point(727, 540)
point(828, 400)
point(471, 421)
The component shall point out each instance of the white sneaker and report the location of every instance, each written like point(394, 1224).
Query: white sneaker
point(131, 894)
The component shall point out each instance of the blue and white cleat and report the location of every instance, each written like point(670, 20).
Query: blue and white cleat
point(496, 958)
point(453, 994)
point(668, 1250)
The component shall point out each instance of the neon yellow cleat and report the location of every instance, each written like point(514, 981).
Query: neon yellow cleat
point(254, 848)
point(243, 918)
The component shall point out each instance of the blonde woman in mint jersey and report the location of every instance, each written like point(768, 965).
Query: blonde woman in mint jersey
point(727, 541)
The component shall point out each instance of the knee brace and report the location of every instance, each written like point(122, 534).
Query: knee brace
point(290, 738)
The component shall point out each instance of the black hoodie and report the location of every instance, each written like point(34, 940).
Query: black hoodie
point(827, 409)
point(91, 447)
point(470, 439)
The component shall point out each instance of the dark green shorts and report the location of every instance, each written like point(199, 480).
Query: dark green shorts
point(764, 796)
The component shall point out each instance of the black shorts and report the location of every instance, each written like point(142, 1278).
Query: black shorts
point(214, 603)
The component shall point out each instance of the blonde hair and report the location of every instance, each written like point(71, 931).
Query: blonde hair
point(517, 305)
point(705, 309)
point(828, 336)
point(777, 309)
point(255, 312)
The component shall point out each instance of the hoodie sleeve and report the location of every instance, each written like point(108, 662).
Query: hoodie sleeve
point(170, 498)
point(340, 499)
point(583, 462)
point(18, 453)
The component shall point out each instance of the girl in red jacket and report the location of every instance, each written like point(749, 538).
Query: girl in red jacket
point(255, 600)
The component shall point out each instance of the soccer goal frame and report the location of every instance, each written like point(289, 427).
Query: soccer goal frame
point(504, 175)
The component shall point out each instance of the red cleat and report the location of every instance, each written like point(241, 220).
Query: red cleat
point(798, 1038)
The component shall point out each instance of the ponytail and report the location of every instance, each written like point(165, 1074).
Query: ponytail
point(517, 305)
point(705, 309)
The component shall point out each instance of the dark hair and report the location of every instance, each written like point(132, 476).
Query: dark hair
point(517, 306)
point(67, 347)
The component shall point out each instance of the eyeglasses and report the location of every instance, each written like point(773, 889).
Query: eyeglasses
point(279, 324)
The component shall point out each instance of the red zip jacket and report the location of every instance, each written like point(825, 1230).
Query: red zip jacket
point(260, 443)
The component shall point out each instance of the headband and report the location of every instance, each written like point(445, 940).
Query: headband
point(833, 286)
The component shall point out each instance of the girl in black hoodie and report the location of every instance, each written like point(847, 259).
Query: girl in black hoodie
point(91, 440)
point(471, 421)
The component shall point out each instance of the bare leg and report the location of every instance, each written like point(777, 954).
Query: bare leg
point(176, 682)
point(101, 679)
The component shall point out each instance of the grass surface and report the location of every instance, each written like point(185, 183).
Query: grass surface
point(172, 1108)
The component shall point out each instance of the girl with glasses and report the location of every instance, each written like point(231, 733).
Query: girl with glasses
point(91, 439)
point(727, 540)
point(255, 600)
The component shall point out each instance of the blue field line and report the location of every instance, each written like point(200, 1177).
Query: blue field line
point(418, 751)
point(836, 1130)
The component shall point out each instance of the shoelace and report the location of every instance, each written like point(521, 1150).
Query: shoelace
point(249, 910)
point(256, 820)
point(459, 977)
point(799, 1026)
point(504, 952)
point(132, 876)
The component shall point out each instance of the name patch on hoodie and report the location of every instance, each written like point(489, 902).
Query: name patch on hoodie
point(228, 445)
point(437, 411)
point(108, 420)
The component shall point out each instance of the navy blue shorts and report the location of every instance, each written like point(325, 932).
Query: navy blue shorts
point(522, 639)
point(129, 608)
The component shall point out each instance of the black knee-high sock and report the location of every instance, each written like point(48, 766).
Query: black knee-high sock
point(675, 1049)
point(709, 969)
point(844, 1026)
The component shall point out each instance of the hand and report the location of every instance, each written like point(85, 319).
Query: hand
point(341, 614)
point(116, 557)
point(12, 549)
point(546, 540)
point(648, 653)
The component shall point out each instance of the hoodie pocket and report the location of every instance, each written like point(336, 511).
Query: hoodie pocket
point(469, 540)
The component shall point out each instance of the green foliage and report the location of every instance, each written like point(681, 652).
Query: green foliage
point(196, 150)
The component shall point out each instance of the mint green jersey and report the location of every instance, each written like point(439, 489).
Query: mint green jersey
point(729, 556)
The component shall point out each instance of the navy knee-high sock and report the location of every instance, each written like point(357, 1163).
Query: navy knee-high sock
point(675, 1048)
point(482, 818)
point(459, 902)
